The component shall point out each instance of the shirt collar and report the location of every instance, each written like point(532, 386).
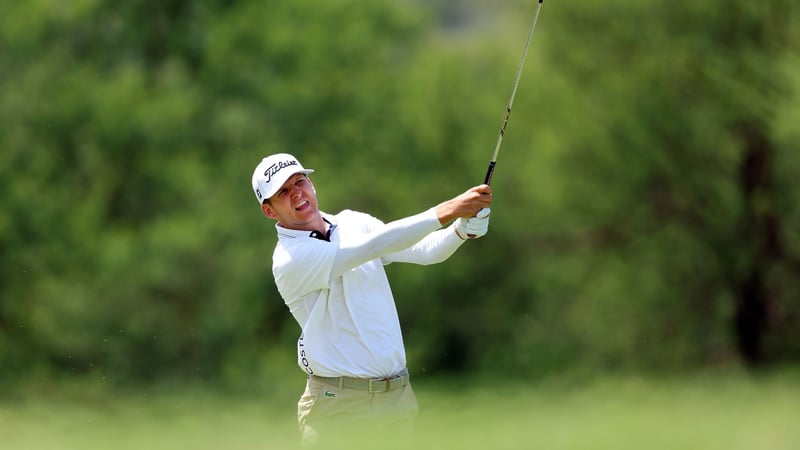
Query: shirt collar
point(286, 233)
point(324, 237)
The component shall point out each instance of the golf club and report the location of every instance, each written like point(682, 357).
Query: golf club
point(493, 161)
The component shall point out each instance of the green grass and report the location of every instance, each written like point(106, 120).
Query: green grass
point(726, 412)
point(625, 414)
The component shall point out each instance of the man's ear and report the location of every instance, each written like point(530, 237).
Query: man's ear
point(268, 211)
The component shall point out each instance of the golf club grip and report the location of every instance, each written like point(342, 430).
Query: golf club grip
point(489, 173)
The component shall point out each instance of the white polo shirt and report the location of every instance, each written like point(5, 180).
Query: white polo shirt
point(338, 291)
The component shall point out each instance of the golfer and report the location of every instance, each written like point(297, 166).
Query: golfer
point(329, 270)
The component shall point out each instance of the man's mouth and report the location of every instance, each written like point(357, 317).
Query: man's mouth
point(302, 205)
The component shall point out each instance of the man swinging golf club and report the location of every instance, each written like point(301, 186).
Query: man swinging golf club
point(329, 270)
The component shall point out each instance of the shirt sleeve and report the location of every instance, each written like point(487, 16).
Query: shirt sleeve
point(432, 249)
point(303, 266)
point(383, 240)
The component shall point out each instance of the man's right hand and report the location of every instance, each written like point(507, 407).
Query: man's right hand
point(465, 205)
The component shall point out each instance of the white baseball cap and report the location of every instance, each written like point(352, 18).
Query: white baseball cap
point(272, 172)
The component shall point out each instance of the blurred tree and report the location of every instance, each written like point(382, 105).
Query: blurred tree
point(686, 105)
point(645, 196)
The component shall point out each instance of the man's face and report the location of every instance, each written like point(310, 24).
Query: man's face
point(294, 206)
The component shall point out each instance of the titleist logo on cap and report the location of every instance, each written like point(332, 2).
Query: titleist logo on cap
point(275, 168)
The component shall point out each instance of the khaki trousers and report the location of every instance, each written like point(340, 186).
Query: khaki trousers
point(335, 417)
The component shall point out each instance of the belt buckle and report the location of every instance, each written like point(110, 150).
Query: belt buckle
point(383, 385)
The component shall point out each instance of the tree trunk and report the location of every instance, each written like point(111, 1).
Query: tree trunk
point(761, 233)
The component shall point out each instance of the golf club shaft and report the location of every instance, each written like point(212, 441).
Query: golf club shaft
point(502, 132)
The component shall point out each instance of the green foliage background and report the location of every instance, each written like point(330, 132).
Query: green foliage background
point(646, 191)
